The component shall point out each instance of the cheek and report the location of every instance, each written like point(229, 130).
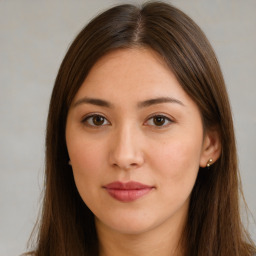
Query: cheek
point(178, 154)
point(177, 165)
point(83, 153)
point(86, 160)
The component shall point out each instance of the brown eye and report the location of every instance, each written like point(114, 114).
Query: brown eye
point(95, 120)
point(159, 120)
point(98, 120)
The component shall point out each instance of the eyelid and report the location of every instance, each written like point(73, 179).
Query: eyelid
point(91, 115)
point(167, 117)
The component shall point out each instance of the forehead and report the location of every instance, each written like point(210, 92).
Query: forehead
point(133, 74)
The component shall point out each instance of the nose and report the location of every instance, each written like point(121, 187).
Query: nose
point(125, 149)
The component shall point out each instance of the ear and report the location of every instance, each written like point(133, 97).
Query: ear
point(211, 147)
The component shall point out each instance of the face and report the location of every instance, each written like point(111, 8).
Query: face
point(135, 142)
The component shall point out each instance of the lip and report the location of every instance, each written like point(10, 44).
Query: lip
point(127, 192)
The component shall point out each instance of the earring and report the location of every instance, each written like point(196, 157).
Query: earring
point(69, 162)
point(209, 163)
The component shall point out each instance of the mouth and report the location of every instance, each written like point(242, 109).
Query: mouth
point(127, 192)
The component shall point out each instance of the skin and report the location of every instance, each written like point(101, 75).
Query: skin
point(124, 142)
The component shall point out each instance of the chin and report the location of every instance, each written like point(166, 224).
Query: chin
point(133, 228)
point(134, 224)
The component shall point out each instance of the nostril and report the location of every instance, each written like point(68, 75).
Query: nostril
point(125, 153)
point(126, 164)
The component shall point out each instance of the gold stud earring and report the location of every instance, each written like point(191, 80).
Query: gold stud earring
point(209, 163)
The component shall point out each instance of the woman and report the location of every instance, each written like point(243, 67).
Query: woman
point(140, 148)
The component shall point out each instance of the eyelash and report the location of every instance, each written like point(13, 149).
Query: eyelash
point(90, 117)
point(165, 121)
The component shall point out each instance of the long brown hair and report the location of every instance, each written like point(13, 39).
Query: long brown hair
point(213, 226)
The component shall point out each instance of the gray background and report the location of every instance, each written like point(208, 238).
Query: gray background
point(34, 36)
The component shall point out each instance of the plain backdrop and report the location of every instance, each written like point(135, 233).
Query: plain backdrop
point(34, 36)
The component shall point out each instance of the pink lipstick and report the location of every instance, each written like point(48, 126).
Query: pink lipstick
point(127, 192)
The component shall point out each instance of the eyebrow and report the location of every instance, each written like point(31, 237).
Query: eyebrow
point(97, 102)
point(159, 100)
point(142, 104)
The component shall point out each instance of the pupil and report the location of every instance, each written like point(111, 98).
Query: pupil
point(98, 120)
point(159, 120)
